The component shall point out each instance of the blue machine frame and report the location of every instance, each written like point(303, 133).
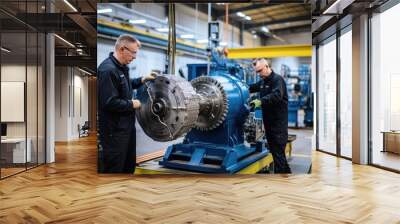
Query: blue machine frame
point(221, 150)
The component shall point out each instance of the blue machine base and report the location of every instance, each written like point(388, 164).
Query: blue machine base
point(211, 158)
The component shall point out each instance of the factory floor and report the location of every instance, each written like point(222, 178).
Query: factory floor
point(71, 191)
point(300, 160)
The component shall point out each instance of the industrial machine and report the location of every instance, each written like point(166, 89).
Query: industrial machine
point(211, 113)
point(298, 84)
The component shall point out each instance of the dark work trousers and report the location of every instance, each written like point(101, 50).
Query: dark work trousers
point(278, 153)
point(118, 154)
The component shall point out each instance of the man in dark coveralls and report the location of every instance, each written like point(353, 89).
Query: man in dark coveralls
point(274, 105)
point(116, 108)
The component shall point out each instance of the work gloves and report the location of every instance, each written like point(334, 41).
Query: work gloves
point(136, 104)
point(151, 76)
point(255, 103)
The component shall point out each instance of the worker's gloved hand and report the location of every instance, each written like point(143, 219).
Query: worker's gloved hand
point(151, 76)
point(136, 104)
point(255, 103)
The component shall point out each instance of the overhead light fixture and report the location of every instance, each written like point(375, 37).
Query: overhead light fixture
point(220, 3)
point(70, 5)
point(241, 14)
point(137, 21)
point(5, 50)
point(253, 31)
point(64, 40)
point(255, 36)
point(265, 29)
point(107, 10)
point(79, 50)
point(203, 41)
point(247, 18)
point(223, 43)
point(187, 36)
point(86, 72)
point(162, 29)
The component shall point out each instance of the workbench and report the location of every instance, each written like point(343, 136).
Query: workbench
point(153, 167)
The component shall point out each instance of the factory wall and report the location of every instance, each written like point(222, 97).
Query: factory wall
point(152, 9)
point(148, 59)
point(291, 38)
point(71, 102)
point(292, 62)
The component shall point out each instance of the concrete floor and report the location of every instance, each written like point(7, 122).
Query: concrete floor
point(302, 144)
point(300, 161)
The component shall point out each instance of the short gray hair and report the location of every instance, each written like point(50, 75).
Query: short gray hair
point(125, 39)
point(263, 60)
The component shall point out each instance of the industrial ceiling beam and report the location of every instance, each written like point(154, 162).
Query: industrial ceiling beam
point(249, 7)
point(293, 29)
point(266, 23)
point(271, 52)
point(263, 5)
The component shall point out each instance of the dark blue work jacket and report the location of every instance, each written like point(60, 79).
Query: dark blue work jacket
point(117, 133)
point(274, 105)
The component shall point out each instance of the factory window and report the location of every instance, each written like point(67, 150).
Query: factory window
point(327, 96)
point(345, 42)
point(385, 89)
point(22, 88)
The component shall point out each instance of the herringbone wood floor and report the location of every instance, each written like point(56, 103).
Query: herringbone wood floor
point(70, 191)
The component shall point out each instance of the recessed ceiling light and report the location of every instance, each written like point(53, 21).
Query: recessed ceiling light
point(162, 29)
point(107, 10)
point(265, 29)
point(187, 36)
point(137, 21)
point(241, 14)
